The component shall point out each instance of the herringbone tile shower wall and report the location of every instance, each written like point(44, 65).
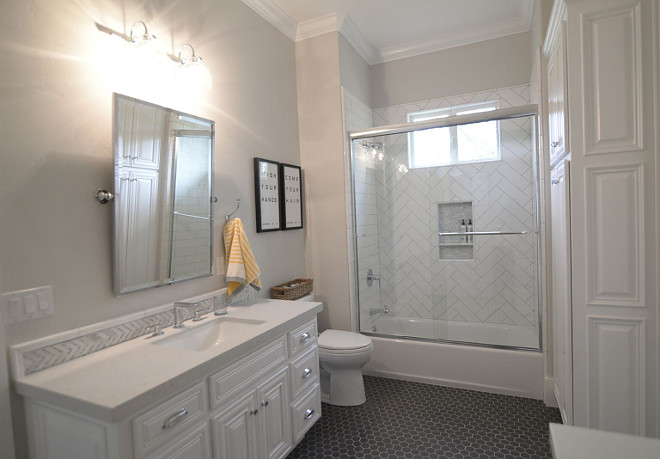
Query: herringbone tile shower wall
point(397, 225)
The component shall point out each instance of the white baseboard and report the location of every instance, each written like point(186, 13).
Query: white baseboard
point(549, 397)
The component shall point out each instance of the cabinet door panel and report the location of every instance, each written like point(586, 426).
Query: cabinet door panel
point(274, 420)
point(235, 434)
point(561, 290)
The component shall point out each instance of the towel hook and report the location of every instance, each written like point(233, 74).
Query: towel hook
point(238, 205)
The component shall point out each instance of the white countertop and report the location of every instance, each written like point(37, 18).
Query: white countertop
point(569, 442)
point(118, 381)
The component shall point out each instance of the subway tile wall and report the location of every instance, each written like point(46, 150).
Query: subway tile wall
point(397, 224)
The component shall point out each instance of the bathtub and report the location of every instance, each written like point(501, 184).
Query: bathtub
point(505, 371)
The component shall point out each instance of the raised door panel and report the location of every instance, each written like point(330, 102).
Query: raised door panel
point(146, 146)
point(612, 80)
point(557, 97)
point(274, 420)
point(235, 434)
point(615, 223)
point(144, 231)
point(60, 435)
point(561, 278)
point(616, 374)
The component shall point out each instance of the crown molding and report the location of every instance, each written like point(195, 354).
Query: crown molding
point(557, 15)
point(467, 37)
point(274, 14)
point(318, 26)
point(331, 23)
point(365, 49)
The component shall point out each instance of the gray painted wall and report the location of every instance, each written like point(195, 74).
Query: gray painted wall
point(355, 72)
point(58, 75)
point(477, 67)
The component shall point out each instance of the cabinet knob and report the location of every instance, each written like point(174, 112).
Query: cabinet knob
point(305, 337)
point(555, 144)
point(254, 411)
point(309, 413)
point(307, 372)
point(264, 403)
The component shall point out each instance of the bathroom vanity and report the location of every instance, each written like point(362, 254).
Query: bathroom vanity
point(244, 385)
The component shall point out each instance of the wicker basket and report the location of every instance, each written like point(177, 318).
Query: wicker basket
point(293, 289)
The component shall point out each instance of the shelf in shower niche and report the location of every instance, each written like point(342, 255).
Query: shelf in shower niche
point(455, 244)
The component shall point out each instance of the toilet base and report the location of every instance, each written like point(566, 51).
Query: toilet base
point(342, 387)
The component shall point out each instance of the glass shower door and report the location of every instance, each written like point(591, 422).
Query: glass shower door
point(446, 228)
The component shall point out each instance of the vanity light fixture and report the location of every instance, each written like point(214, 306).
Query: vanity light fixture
point(192, 67)
point(375, 150)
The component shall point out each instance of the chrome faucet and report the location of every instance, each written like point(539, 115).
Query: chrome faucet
point(180, 309)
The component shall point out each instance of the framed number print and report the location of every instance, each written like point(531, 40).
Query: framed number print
point(267, 194)
point(291, 197)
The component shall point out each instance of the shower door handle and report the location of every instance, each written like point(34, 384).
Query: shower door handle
point(371, 277)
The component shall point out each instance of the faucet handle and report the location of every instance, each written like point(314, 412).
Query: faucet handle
point(197, 315)
point(157, 330)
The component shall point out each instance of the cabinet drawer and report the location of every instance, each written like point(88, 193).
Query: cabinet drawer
point(305, 412)
point(302, 338)
point(304, 372)
point(160, 424)
point(196, 443)
point(234, 378)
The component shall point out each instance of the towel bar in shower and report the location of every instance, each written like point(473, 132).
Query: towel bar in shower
point(484, 233)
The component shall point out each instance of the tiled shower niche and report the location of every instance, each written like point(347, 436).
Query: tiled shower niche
point(450, 216)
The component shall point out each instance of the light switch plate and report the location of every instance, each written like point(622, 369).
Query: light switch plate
point(28, 304)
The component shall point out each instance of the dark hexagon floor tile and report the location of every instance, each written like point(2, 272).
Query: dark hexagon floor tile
point(402, 419)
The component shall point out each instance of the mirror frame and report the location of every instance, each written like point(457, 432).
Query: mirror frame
point(120, 290)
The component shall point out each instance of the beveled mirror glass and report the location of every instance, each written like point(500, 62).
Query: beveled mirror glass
point(163, 226)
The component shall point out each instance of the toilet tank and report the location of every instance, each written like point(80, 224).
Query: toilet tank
point(308, 297)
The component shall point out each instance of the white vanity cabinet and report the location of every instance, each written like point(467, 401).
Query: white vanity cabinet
point(247, 409)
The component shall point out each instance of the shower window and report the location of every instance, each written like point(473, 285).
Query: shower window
point(445, 146)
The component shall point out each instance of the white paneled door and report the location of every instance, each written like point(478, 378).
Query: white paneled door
point(612, 50)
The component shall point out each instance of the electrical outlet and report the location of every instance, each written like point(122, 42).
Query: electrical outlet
point(28, 304)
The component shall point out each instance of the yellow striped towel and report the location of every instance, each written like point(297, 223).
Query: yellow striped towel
point(242, 268)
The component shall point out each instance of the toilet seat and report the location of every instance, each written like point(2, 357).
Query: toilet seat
point(343, 342)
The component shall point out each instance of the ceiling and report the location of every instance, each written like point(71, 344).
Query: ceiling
point(386, 30)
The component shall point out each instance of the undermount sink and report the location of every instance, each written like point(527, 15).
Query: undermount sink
point(216, 332)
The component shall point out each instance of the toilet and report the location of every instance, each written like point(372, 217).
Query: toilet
point(342, 355)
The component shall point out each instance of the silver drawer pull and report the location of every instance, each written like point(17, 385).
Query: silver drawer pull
point(254, 411)
point(309, 413)
point(264, 403)
point(175, 418)
point(307, 372)
point(305, 337)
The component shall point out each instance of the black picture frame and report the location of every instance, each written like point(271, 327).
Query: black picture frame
point(267, 195)
point(291, 197)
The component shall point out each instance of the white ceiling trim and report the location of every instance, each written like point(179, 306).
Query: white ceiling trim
point(330, 23)
point(368, 52)
point(319, 26)
point(439, 43)
point(274, 14)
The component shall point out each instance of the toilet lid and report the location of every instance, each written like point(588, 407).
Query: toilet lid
point(339, 339)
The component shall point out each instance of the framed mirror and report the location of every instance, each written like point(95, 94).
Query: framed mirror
point(163, 225)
